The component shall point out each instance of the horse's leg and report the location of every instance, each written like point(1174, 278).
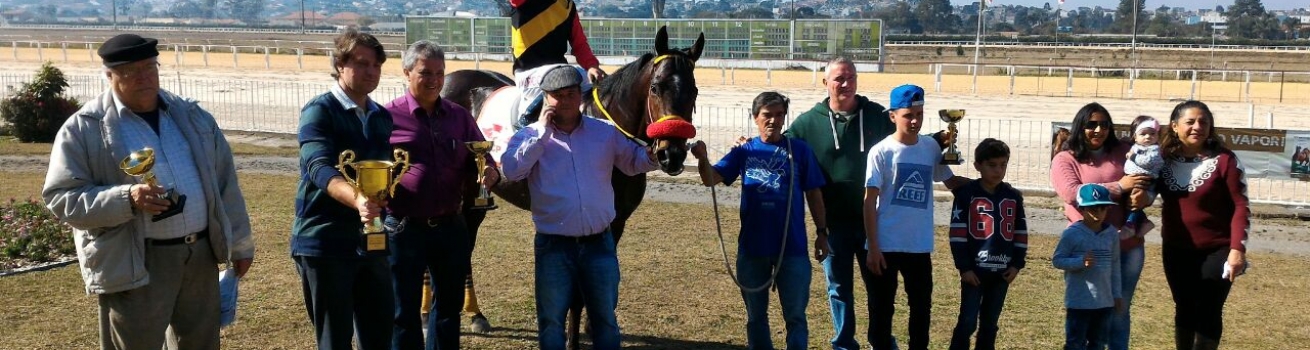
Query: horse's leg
point(473, 220)
point(478, 322)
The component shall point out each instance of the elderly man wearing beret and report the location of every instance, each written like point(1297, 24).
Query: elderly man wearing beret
point(564, 156)
point(149, 252)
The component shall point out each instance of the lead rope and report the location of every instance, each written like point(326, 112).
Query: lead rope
point(782, 250)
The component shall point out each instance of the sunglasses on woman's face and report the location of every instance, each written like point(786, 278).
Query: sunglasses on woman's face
point(1095, 124)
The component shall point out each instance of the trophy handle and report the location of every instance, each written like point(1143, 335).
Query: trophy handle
point(346, 158)
point(402, 159)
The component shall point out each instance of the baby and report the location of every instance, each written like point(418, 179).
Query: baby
point(1144, 158)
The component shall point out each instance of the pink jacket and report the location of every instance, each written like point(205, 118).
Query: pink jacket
point(1105, 169)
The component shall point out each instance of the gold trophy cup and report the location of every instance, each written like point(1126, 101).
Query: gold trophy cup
point(374, 180)
point(951, 155)
point(483, 201)
point(139, 164)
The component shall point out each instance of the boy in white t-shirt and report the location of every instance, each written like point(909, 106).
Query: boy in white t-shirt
point(898, 212)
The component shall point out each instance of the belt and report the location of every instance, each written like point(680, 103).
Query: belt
point(591, 238)
point(431, 221)
point(188, 239)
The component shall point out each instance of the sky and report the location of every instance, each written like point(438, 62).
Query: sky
point(1192, 4)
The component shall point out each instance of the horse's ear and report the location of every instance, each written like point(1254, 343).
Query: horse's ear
point(662, 41)
point(698, 48)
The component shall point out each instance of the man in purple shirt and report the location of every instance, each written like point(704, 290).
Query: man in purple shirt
point(429, 230)
point(567, 159)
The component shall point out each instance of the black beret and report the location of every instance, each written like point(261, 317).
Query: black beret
point(561, 77)
point(127, 48)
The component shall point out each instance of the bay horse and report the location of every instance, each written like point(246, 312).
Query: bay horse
point(656, 88)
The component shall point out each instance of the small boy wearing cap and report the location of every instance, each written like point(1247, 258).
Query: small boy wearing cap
point(1088, 253)
point(898, 211)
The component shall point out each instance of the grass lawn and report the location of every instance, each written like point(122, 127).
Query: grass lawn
point(674, 293)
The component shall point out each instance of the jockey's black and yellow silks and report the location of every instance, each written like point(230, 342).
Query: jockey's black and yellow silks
point(542, 32)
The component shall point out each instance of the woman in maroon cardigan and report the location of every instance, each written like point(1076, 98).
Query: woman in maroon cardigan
point(1205, 222)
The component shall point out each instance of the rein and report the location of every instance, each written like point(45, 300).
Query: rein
point(782, 249)
point(595, 94)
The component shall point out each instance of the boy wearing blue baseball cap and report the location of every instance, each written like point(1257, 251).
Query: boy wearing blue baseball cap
point(1088, 253)
point(898, 211)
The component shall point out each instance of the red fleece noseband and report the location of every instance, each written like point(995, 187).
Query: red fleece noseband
point(671, 129)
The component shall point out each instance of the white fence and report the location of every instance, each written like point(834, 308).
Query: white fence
point(274, 106)
point(1125, 83)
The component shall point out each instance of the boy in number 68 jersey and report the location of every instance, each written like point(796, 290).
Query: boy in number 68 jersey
point(989, 240)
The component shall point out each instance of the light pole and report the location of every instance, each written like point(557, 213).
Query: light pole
point(977, 44)
point(1134, 45)
point(114, 10)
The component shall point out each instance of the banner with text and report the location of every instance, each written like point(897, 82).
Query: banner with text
point(1270, 154)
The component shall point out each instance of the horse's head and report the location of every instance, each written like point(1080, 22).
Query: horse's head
point(671, 100)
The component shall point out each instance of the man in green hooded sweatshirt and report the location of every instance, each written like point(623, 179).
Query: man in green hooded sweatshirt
point(840, 130)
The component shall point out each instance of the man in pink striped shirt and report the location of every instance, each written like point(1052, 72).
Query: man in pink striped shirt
point(568, 159)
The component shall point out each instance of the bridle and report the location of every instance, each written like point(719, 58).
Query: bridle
point(650, 117)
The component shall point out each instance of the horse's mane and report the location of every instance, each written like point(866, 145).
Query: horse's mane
point(623, 80)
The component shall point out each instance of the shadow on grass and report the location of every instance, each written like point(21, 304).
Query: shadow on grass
point(637, 342)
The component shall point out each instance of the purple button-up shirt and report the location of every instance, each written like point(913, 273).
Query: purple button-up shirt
point(569, 174)
point(441, 162)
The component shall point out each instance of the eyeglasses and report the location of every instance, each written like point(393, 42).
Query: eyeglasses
point(1096, 124)
point(135, 72)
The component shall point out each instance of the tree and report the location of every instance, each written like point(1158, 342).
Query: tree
point(899, 16)
point(184, 9)
point(1123, 16)
point(248, 11)
point(1248, 19)
point(752, 12)
point(1162, 24)
point(657, 8)
point(1290, 28)
point(936, 16)
point(505, 8)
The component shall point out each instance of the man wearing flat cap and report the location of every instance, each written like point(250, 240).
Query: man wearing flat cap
point(152, 259)
point(564, 156)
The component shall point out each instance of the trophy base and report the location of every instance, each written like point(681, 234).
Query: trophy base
point(487, 203)
point(375, 242)
point(952, 159)
point(175, 204)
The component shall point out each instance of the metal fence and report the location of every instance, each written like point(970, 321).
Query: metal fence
point(1124, 83)
point(274, 106)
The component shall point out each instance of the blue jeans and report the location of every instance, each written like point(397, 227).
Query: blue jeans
point(980, 305)
point(440, 246)
point(566, 266)
point(1131, 262)
point(793, 293)
point(1086, 329)
point(846, 243)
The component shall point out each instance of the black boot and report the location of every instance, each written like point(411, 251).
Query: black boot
point(1205, 343)
point(529, 115)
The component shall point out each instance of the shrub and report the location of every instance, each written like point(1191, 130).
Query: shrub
point(29, 234)
point(959, 50)
point(36, 111)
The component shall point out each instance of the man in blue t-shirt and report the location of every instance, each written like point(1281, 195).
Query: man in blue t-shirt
point(770, 201)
